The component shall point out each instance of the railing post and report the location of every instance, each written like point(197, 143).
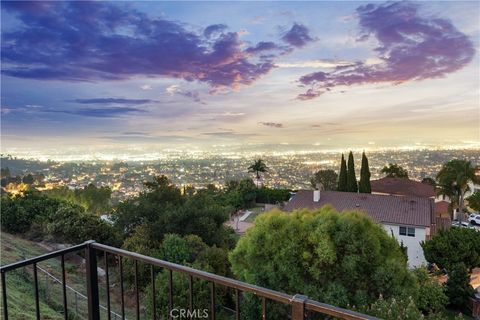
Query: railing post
point(298, 307)
point(92, 282)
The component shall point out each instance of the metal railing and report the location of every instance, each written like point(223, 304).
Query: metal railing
point(300, 305)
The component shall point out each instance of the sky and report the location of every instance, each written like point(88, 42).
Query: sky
point(94, 75)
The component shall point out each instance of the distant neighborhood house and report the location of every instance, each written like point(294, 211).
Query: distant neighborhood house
point(409, 219)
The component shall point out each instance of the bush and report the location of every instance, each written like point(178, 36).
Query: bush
point(342, 259)
point(458, 288)
point(431, 297)
point(449, 247)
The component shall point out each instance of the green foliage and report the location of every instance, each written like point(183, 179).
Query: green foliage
point(164, 210)
point(431, 297)
point(202, 257)
point(343, 259)
point(72, 225)
point(19, 213)
point(449, 247)
point(92, 199)
point(474, 201)
point(272, 196)
point(458, 288)
point(364, 184)
point(327, 178)
point(342, 177)
point(393, 170)
point(241, 194)
point(453, 181)
point(175, 249)
point(402, 308)
point(52, 218)
point(258, 167)
point(352, 185)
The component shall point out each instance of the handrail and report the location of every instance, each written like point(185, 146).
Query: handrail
point(300, 304)
point(232, 283)
point(43, 257)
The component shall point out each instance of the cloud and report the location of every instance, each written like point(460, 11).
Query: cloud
point(410, 47)
point(214, 29)
point(262, 46)
point(100, 112)
point(318, 63)
point(298, 36)
point(92, 41)
point(272, 124)
point(110, 112)
point(112, 101)
point(175, 89)
point(146, 87)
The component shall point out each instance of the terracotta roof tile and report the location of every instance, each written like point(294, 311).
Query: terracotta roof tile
point(382, 208)
point(403, 187)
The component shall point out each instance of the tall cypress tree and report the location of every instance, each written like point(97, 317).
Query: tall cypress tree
point(364, 184)
point(352, 185)
point(342, 177)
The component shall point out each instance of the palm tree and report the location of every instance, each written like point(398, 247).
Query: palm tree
point(257, 167)
point(453, 181)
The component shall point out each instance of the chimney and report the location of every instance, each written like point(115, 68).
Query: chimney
point(316, 195)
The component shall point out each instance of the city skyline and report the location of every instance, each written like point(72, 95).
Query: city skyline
point(130, 76)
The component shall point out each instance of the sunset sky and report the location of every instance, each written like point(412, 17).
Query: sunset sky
point(194, 74)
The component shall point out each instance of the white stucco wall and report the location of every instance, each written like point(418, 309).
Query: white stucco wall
point(414, 249)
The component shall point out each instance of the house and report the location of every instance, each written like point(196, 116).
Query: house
point(402, 187)
point(410, 220)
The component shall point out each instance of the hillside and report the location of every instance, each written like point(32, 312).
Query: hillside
point(20, 291)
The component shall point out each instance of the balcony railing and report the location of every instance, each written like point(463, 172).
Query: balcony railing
point(300, 305)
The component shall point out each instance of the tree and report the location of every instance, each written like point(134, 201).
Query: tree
point(272, 196)
point(258, 167)
point(402, 308)
point(69, 224)
point(327, 178)
point(241, 194)
point(342, 177)
point(342, 259)
point(453, 181)
point(450, 247)
point(394, 171)
point(352, 185)
point(474, 201)
point(458, 286)
point(431, 297)
point(364, 184)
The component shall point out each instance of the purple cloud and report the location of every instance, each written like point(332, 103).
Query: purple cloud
point(262, 46)
point(411, 47)
point(272, 124)
point(298, 36)
point(213, 29)
point(89, 41)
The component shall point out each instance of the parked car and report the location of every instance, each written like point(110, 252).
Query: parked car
point(474, 218)
point(457, 223)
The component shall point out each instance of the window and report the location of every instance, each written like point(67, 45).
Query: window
point(407, 231)
point(411, 232)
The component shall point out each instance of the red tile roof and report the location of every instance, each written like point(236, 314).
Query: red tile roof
point(381, 208)
point(402, 187)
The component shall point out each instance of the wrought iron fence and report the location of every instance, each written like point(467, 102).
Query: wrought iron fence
point(300, 305)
